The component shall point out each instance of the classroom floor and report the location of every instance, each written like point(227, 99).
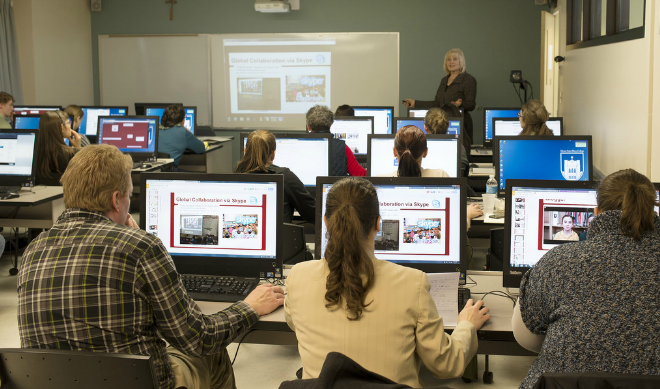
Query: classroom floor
point(265, 366)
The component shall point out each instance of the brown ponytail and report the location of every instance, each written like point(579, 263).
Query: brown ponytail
point(258, 149)
point(634, 195)
point(410, 145)
point(534, 115)
point(351, 212)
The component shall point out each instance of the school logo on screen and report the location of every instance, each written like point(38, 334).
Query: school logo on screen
point(572, 165)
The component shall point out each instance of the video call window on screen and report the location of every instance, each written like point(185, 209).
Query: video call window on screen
point(543, 214)
point(90, 120)
point(382, 117)
point(354, 131)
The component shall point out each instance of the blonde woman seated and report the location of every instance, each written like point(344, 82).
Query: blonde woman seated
point(567, 232)
point(377, 313)
point(409, 149)
point(533, 116)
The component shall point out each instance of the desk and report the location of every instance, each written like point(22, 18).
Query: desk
point(495, 337)
point(159, 165)
point(217, 158)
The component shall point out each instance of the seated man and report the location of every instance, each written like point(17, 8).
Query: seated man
point(6, 110)
point(96, 282)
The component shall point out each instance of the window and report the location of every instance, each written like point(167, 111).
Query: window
point(598, 22)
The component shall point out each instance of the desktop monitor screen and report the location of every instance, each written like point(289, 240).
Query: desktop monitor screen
point(455, 125)
point(423, 222)
point(417, 113)
point(406, 121)
point(534, 221)
point(657, 197)
point(444, 153)
point(90, 120)
point(562, 158)
point(354, 131)
point(18, 150)
point(26, 122)
point(216, 224)
point(511, 126)
point(136, 135)
point(382, 117)
point(490, 113)
point(190, 118)
point(306, 155)
point(34, 109)
point(140, 108)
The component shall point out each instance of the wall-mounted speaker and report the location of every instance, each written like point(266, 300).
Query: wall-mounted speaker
point(95, 5)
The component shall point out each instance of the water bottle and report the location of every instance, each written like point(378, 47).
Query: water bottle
point(491, 185)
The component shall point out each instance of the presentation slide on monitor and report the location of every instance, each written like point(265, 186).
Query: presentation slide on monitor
point(443, 154)
point(418, 224)
point(129, 135)
point(16, 154)
point(215, 219)
point(307, 158)
point(353, 132)
point(543, 219)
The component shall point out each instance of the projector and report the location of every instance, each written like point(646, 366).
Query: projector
point(272, 6)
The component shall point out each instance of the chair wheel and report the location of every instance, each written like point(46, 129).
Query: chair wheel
point(488, 377)
point(13, 271)
point(466, 380)
point(299, 373)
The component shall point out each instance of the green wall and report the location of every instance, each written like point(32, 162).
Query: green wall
point(495, 35)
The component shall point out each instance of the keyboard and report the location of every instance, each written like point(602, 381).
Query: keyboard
point(8, 189)
point(218, 288)
point(463, 297)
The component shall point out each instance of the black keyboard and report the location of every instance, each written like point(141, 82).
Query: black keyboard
point(463, 297)
point(7, 189)
point(218, 288)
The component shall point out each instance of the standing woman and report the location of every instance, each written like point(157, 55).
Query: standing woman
point(174, 138)
point(76, 115)
point(457, 88)
point(53, 155)
point(533, 116)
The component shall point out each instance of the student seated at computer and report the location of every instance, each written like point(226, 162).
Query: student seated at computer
point(345, 110)
point(409, 149)
point(377, 313)
point(319, 119)
point(436, 122)
point(76, 115)
point(174, 138)
point(533, 116)
point(259, 155)
point(53, 155)
point(567, 233)
point(593, 306)
point(6, 110)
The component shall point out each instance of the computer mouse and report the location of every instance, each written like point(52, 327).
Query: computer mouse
point(10, 195)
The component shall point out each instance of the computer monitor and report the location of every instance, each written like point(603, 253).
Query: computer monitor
point(455, 126)
point(444, 153)
point(562, 158)
point(511, 126)
point(657, 196)
point(190, 121)
point(354, 131)
point(34, 109)
point(135, 135)
point(26, 122)
point(382, 117)
point(406, 121)
point(533, 220)
point(90, 121)
point(239, 214)
point(18, 157)
point(140, 108)
point(417, 113)
point(423, 222)
point(306, 155)
point(489, 114)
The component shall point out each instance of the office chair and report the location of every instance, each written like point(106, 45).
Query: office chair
point(56, 369)
point(597, 380)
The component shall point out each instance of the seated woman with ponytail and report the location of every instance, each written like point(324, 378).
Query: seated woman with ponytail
point(377, 313)
point(593, 306)
point(259, 155)
point(533, 116)
point(409, 149)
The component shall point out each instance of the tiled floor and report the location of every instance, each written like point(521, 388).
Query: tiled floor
point(264, 366)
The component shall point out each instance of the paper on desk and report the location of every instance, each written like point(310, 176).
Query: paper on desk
point(444, 290)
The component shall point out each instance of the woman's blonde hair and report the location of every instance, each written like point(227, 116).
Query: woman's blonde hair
point(634, 195)
point(461, 60)
point(410, 145)
point(534, 115)
point(51, 142)
point(74, 111)
point(436, 121)
point(352, 213)
point(258, 149)
point(93, 175)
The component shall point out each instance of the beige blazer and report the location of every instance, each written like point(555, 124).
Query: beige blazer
point(399, 329)
point(425, 173)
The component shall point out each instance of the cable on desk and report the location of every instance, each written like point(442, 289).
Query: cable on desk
point(273, 281)
point(245, 336)
point(498, 293)
point(471, 281)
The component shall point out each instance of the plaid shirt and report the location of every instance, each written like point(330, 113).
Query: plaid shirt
point(91, 284)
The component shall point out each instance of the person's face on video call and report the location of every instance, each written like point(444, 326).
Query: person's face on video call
point(568, 224)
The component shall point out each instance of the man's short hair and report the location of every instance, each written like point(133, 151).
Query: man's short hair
point(93, 175)
point(5, 98)
point(320, 118)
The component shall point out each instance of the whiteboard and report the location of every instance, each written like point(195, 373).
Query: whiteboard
point(156, 69)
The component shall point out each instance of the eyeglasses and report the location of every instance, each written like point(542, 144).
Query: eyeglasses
point(520, 114)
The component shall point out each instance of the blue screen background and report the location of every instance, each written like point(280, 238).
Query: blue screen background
point(454, 127)
point(26, 123)
point(419, 123)
point(497, 113)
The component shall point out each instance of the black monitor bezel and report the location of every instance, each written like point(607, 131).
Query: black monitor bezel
point(428, 136)
point(15, 180)
point(496, 152)
point(137, 157)
point(558, 118)
point(13, 122)
point(427, 268)
point(356, 119)
point(142, 107)
point(376, 107)
point(223, 266)
point(511, 276)
point(489, 142)
point(394, 120)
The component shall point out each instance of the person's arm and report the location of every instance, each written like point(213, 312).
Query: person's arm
point(439, 97)
point(526, 338)
point(469, 86)
point(194, 144)
point(287, 303)
point(354, 168)
point(299, 196)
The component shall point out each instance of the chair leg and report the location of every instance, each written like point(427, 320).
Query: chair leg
point(488, 375)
